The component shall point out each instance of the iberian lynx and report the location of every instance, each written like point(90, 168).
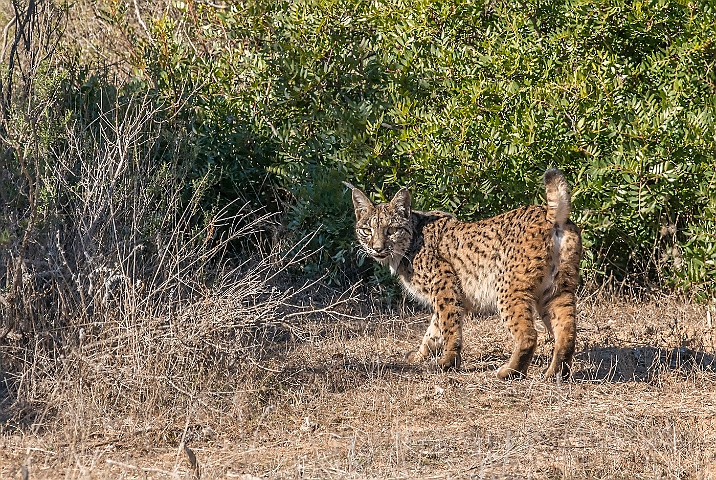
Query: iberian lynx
point(523, 264)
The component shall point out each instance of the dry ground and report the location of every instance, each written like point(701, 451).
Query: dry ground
point(339, 402)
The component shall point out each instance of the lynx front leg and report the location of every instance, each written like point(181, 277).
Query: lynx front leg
point(447, 304)
point(517, 315)
point(430, 345)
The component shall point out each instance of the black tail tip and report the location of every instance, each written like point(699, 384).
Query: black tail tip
point(551, 174)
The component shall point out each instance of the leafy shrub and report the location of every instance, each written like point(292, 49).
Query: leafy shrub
point(468, 103)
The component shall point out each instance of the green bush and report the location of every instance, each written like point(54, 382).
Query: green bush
point(468, 102)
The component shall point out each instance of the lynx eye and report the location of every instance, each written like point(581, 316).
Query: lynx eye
point(366, 231)
point(392, 230)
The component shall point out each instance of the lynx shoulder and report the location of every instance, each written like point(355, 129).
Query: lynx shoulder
point(523, 264)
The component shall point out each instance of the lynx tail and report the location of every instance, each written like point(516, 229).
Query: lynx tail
point(559, 199)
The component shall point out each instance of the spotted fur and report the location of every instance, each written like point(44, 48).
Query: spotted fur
point(523, 264)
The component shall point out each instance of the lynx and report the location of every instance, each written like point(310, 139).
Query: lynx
point(521, 264)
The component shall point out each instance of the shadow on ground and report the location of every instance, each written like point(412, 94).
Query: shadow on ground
point(13, 414)
point(639, 364)
point(342, 373)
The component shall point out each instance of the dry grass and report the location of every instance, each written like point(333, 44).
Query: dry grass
point(327, 395)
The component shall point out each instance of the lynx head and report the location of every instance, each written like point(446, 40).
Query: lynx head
point(384, 230)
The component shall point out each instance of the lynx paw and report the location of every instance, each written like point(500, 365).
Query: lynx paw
point(507, 373)
point(450, 361)
point(553, 374)
point(414, 356)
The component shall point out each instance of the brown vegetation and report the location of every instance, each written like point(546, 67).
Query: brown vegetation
point(328, 395)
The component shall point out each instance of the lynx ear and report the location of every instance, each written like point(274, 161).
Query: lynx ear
point(401, 201)
point(361, 203)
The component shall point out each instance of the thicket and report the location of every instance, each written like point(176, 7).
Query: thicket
point(467, 102)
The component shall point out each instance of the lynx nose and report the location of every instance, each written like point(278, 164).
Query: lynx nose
point(380, 249)
point(378, 246)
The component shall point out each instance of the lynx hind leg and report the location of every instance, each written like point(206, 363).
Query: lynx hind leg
point(560, 311)
point(517, 314)
point(431, 344)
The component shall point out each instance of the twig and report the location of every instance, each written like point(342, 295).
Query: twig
point(196, 474)
point(5, 32)
point(141, 22)
point(144, 469)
